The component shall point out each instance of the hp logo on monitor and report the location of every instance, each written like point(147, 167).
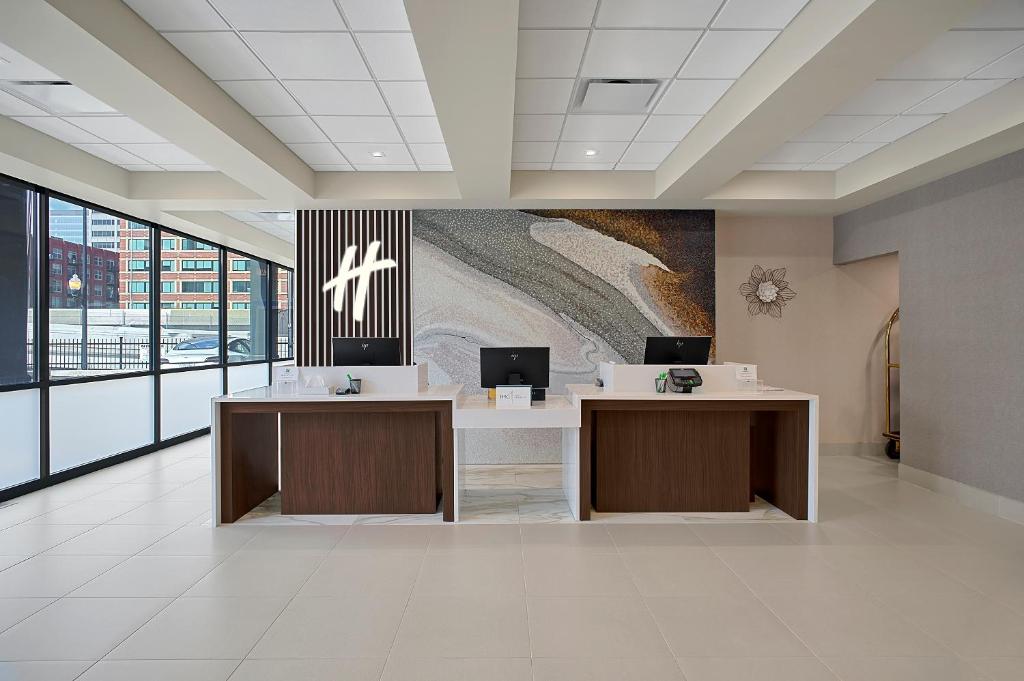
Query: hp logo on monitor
point(514, 356)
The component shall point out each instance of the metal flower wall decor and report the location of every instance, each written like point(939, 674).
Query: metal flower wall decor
point(767, 291)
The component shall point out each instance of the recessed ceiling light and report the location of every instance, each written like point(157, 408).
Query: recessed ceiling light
point(590, 152)
point(377, 154)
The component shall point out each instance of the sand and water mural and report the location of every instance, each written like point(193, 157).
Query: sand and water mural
point(590, 284)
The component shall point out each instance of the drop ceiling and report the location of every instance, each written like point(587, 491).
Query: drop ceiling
point(279, 223)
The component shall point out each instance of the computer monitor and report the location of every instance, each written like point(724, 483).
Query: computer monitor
point(383, 352)
point(677, 350)
point(515, 366)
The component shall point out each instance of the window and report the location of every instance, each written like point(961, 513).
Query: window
point(98, 276)
point(138, 306)
point(199, 265)
point(55, 268)
point(56, 254)
point(55, 286)
point(167, 287)
point(138, 244)
point(198, 306)
point(167, 244)
point(281, 317)
point(200, 286)
point(239, 306)
point(242, 286)
point(247, 326)
point(102, 232)
point(138, 287)
point(166, 265)
point(18, 214)
point(193, 245)
point(195, 306)
point(239, 265)
point(138, 265)
point(103, 244)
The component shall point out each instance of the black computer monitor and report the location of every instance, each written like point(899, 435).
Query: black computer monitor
point(515, 366)
point(677, 350)
point(381, 352)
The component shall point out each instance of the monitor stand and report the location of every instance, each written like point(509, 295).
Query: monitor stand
point(536, 394)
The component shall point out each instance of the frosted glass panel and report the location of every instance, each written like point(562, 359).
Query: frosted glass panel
point(19, 422)
point(185, 400)
point(248, 376)
point(91, 421)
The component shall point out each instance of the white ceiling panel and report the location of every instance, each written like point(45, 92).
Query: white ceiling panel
point(380, 129)
point(441, 168)
point(656, 13)
point(576, 152)
point(144, 168)
point(375, 15)
point(180, 15)
point(408, 98)
point(404, 168)
point(274, 15)
point(294, 129)
point(317, 153)
point(758, 13)
point(12, 106)
point(430, 154)
point(162, 154)
point(549, 54)
point(544, 95)
point(602, 128)
point(636, 54)
point(221, 56)
point(421, 129)
point(956, 96)
point(330, 167)
point(851, 152)
point(560, 14)
point(363, 154)
point(108, 152)
point(310, 56)
point(531, 166)
point(998, 14)
point(189, 168)
point(823, 167)
point(533, 152)
point(637, 166)
point(726, 54)
point(1010, 66)
point(392, 56)
point(896, 128)
point(648, 152)
point(840, 128)
point(338, 98)
point(583, 166)
point(667, 128)
point(891, 96)
point(116, 129)
point(692, 96)
point(537, 128)
point(955, 54)
point(59, 99)
point(777, 166)
point(62, 130)
point(262, 97)
point(800, 152)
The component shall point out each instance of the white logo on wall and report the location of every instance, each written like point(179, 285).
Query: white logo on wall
point(346, 272)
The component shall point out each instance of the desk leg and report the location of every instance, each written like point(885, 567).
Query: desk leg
point(571, 469)
point(248, 472)
point(458, 456)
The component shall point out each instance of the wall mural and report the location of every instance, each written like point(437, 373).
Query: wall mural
point(590, 284)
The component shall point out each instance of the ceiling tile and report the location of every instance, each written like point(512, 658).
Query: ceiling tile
point(955, 54)
point(338, 98)
point(15, 66)
point(115, 129)
point(777, 166)
point(362, 154)
point(543, 95)
point(221, 56)
point(648, 152)
point(839, 128)
point(531, 166)
point(430, 154)
point(408, 99)
point(189, 168)
point(956, 96)
point(392, 56)
point(243, 215)
point(274, 15)
point(897, 128)
point(108, 152)
point(575, 152)
point(421, 129)
point(561, 14)
point(550, 54)
point(59, 99)
point(823, 166)
point(656, 13)
point(533, 152)
point(144, 168)
point(360, 128)
point(293, 129)
point(692, 96)
point(726, 54)
point(583, 166)
point(800, 152)
point(298, 56)
point(537, 128)
point(180, 15)
point(890, 96)
point(12, 106)
point(637, 166)
point(758, 13)
point(403, 168)
point(375, 15)
point(584, 128)
point(637, 54)
point(62, 130)
point(998, 14)
point(162, 154)
point(1010, 66)
point(667, 128)
point(262, 97)
point(851, 152)
point(330, 167)
point(430, 168)
point(317, 153)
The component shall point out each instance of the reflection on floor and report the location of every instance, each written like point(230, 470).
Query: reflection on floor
point(510, 494)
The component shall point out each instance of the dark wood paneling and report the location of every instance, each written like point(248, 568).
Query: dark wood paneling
point(248, 446)
point(778, 458)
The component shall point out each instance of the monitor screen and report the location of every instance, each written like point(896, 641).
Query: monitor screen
point(514, 366)
point(366, 352)
point(677, 350)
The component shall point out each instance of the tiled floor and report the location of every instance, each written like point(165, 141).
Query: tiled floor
point(115, 576)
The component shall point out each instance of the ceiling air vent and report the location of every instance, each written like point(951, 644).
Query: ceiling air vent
point(56, 96)
point(616, 95)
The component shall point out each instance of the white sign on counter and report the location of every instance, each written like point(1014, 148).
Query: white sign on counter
point(512, 397)
point(746, 376)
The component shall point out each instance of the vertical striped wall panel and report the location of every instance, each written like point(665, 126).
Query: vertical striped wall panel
point(321, 239)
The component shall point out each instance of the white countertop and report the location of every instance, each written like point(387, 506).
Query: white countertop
point(476, 411)
point(586, 391)
point(266, 394)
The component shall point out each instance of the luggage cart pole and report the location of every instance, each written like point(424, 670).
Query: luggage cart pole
point(892, 446)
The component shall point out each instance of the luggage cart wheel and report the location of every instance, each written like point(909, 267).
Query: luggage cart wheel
point(891, 450)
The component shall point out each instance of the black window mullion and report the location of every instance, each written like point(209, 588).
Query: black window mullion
point(222, 296)
point(42, 331)
point(155, 251)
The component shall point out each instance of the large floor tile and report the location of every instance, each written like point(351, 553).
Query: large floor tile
point(594, 627)
point(311, 539)
point(148, 576)
point(42, 671)
point(904, 669)
point(202, 541)
point(349, 626)
point(467, 573)
point(464, 626)
point(723, 626)
point(363, 572)
point(1001, 668)
point(476, 538)
point(741, 534)
point(577, 536)
point(160, 670)
point(85, 512)
point(202, 629)
point(256, 574)
point(885, 570)
point(77, 628)
point(52, 576)
point(794, 569)
point(606, 669)
point(28, 540)
point(14, 610)
point(111, 540)
point(638, 537)
point(555, 572)
point(465, 669)
point(160, 512)
point(362, 669)
point(134, 492)
point(755, 668)
point(669, 575)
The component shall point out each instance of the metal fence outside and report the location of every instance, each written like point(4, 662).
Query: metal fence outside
point(115, 354)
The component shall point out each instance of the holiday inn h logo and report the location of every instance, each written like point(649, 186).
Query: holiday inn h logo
point(347, 271)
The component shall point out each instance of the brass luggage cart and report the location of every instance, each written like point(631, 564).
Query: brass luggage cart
point(892, 436)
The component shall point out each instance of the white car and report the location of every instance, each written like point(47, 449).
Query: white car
point(206, 351)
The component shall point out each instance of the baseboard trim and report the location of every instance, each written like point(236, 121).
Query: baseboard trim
point(972, 497)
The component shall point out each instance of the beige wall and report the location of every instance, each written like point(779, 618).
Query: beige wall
point(829, 339)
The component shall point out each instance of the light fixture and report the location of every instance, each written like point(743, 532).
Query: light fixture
point(377, 154)
point(590, 152)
